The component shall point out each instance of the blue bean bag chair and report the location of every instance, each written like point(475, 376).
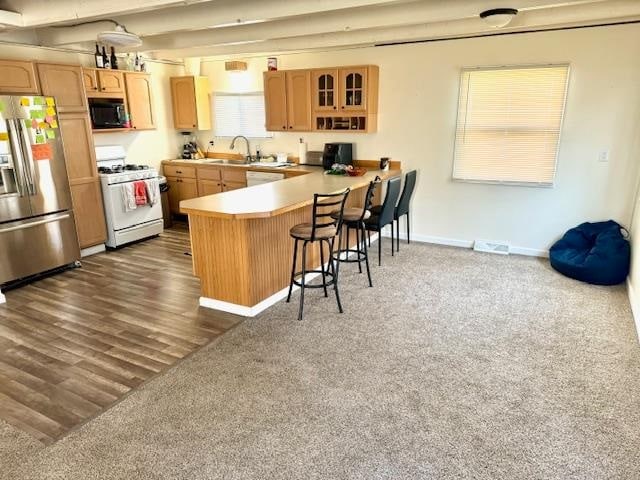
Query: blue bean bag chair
point(595, 253)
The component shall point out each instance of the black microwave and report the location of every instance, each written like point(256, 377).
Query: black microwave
point(107, 113)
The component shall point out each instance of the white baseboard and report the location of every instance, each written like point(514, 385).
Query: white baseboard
point(455, 242)
point(3, 299)
point(246, 311)
point(635, 306)
point(85, 252)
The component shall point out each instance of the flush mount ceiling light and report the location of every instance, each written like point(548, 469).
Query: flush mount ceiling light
point(119, 37)
point(498, 17)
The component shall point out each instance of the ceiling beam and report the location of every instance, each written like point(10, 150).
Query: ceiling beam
point(615, 10)
point(384, 16)
point(205, 15)
point(10, 19)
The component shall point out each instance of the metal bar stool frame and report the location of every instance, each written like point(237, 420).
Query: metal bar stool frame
point(321, 201)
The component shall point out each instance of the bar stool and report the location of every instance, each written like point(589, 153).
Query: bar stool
point(353, 218)
point(403, 206)
point(323, 228)
point(384, 216)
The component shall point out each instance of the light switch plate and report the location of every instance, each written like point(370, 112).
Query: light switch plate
point(603, 156)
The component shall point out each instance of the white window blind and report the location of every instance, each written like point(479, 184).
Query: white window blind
point(509, 121)
point(239, 114)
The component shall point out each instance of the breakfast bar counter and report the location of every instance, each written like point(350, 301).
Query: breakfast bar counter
point(240, 240)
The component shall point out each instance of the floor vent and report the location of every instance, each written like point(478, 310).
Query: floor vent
point(491, 247)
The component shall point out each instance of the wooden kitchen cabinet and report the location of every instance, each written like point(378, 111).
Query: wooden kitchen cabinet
point(190, 101)
point(209, 187)
point(325, 89)
point(288, 100)
point(18, 77)
point(66, 84)
point(275, 101)
point(79, 151)
point(298, 100)
point(228, 186)
point(88, 213)
point(110, 81)
point(181, 189)
point(90, 78)
point(140, 100)
point(345, 99)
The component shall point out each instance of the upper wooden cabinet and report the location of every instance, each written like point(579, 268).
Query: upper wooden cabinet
point(140, 100)
point(18, 77)
point(190, 99)
point(299, 100)
point(336, 99)
point(275, 101)
point(110, 81)
point(90, 78)
point(345, 89)
point(100, 82)
point(288, 100)
point(325, 89)
point(66, 84)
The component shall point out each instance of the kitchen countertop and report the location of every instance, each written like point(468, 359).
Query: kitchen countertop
point(275, 198)
point(248, 166)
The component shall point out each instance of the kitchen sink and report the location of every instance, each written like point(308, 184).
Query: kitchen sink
point(226, 161)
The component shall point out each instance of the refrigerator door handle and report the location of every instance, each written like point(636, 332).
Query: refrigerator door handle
point(28, 155)
point(16, 155)
point(31, 224)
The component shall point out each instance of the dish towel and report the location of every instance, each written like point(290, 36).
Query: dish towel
point(153, 190)
point(140, 191)
point(128, 197)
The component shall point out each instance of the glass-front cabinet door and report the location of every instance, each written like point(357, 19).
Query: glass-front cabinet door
point(353, 89)
point(325, 90)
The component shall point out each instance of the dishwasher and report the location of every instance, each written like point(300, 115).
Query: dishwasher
point(258, 178)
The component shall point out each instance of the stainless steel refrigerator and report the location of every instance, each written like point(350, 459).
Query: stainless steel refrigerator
point(37, 229)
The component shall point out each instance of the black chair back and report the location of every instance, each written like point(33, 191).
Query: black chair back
point(390, 199)
point(407, 192)
point(323, 205)
point(368, 197)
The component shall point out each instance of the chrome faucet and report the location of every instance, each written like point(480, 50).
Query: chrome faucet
point(233, 144)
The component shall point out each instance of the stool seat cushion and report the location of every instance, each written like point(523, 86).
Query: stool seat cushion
point(302, 231)
point(351, 214)
point(594, 253)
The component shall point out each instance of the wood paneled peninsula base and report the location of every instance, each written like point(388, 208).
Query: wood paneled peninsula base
point(240, 240)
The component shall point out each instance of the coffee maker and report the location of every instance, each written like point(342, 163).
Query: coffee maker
point(337, 153)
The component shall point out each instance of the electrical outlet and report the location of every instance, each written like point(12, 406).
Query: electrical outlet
point(603, 156)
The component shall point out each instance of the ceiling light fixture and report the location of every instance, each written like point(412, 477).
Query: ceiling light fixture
point(119, 37)
point(498, 17)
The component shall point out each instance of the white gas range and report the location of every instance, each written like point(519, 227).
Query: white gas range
point(125, 224)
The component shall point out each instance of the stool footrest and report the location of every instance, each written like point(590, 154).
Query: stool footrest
point(328, 276)
point(360, 256)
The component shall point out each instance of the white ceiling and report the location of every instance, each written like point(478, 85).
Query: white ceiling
point(221, 28)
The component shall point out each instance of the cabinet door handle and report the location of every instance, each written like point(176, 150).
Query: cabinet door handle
point(335, 108)
point(283, 127)
point(178, 171)
point(194, 124)
point(290, 126)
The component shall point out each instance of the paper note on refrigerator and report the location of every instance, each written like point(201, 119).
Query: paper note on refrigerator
point(38, 101)
point(51, 102)
point(40, 139)
point(4, 137)
point(51, 134)
point(51, 111)
point(1, 106)
point(53, 124)
point(24, 101)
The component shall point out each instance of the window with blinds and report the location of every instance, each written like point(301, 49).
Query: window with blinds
point(509, 122)
point(239, 114)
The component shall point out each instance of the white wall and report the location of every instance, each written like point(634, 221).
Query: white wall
point(147, 147)
point(418, 102)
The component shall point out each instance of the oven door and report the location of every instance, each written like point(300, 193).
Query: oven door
point(118, 218)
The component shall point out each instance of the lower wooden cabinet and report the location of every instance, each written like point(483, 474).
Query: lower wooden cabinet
point(233, 185)
point(209, 187)
point(89, 213)
point(181, 189)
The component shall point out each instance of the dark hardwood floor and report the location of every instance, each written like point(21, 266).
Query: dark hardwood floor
point(73, 344)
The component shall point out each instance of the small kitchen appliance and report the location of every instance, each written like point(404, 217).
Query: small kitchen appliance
point(337, 153)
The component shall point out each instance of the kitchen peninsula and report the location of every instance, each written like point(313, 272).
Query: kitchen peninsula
point(240, 239)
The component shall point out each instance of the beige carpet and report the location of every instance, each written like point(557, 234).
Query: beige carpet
point(457, 365)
